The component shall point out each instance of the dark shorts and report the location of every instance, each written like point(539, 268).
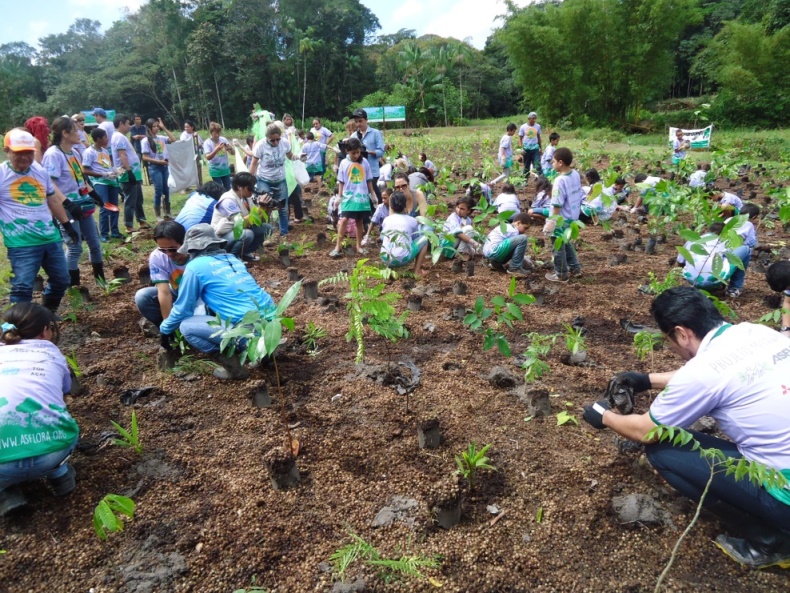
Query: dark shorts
point(355, 215)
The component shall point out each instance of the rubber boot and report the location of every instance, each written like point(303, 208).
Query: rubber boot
point(158, 212)
point(51, 303)
point(11, 499)
point(167, 210)
point(759, 545)
point(64, 484)
point(98, 272)
point(231, 369)
point(74, 277)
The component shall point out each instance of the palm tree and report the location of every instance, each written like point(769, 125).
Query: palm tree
point(307, 45)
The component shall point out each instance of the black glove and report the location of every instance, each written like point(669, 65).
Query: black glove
point(166, 341)
point(593, 414)
point(73, 210)
point(620, 391)
point(96, 198)
point(69, 230)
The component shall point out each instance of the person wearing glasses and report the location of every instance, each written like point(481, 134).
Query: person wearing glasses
point(416, 204)
point(167, 267)
point(268, 165)
point(79, 149)
point(36, 429)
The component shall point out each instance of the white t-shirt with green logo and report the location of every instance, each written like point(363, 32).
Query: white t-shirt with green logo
point(740, 376)
point(120, 143)
point(25, 219)
point(219, 166)
point(33, 416)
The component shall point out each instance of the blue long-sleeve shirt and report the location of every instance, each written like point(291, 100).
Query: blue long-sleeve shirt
point(224, 285)
point(374, 144)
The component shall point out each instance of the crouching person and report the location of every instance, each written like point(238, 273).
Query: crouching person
point(37, 432)
point(510, 246)
point(232, 204)
point(401, 241)
point(223, 283)
point(166, 266)
point(737, 374)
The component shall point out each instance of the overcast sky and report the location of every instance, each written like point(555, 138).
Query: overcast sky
point(448, 18)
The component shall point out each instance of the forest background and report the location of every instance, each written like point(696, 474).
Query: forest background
point(579, 63)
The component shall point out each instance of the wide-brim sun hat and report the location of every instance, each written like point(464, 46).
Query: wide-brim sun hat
point(200, 237)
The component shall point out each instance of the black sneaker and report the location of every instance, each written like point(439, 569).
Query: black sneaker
point(744, 552)
point(66, 483)
point(518, 272)
point(11, 499)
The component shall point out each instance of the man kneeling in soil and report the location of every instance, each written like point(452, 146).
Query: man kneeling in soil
point(223, 283)
point(738, 374)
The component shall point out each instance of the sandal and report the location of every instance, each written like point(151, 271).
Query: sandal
point(335, 253)
point(362, 251)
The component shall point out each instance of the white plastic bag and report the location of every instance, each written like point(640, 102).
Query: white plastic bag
point(300, 173)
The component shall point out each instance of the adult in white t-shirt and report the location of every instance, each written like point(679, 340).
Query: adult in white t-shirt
point(740, 376)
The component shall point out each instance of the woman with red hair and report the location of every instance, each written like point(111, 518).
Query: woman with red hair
point(39, 127)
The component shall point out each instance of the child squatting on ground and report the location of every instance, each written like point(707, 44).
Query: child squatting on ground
point(459, 225)
point(509, 246)
point(401, 241)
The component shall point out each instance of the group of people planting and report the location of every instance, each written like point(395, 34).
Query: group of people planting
point(736, 374)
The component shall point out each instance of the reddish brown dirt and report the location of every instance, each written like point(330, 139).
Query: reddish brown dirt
point(208, 519)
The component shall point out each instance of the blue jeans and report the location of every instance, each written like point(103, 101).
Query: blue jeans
point(197, 331)
point(565, 258)
point(250, 241)
point(132, 203)
point(279, 192)
point(108, 221)
point(159, 174)
point(147, 301)
point(688, 473)
point(25, 264)
point(32, 468)
point(224, 181)
point(86, 229)
point(739, 276)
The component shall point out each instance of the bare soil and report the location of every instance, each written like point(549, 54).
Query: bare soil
point(208, 519)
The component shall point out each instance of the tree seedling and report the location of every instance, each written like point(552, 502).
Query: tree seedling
point(501, 312)
point(129, 438)
point(471, 461)
point(574, 338)
point(110, 286)
point(109, 513)
point(565, 417)
point(71, 359)
point(647, 342)
point(312, 334)
point(389, 569)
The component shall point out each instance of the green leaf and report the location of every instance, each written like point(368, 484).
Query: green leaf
point(523, 299)
point(539, 515)
point(503, 346)
point(498, 300)
point(272, 334)
point(238, 227)
point(515, 311)
point(685, 254)
point(288, 298)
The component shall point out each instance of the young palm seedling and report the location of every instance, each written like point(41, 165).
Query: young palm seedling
point(471, 461)
point(129, 438)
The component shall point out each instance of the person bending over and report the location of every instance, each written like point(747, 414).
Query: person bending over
point(237, 203)
point(166, 267)
point(37, 432)
point(753, 413)
point(222, 282)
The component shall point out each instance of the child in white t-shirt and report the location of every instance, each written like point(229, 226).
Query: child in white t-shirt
point(506, 149)
point(509, 246)
point(382, 212)
point(459, 225)
point(508, 201)
point(730, 204)
point(401, 242)
point(697, 179)
point(541, 205)
point(548, 156)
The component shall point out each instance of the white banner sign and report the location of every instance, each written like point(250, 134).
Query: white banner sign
point(697, 138)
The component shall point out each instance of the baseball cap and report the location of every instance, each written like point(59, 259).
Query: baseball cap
point(99, 111)
point(360, 113)
point(532, 114)
point(18, 140)
point(78, 116)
